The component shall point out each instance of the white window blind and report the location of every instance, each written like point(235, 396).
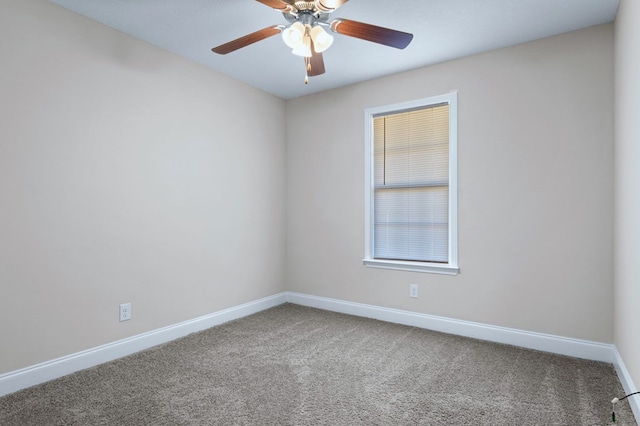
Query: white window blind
point(411, 185)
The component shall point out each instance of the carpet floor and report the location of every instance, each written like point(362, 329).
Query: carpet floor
point(292, 365)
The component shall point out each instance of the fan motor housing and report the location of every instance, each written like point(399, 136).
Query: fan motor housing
point(307, 13)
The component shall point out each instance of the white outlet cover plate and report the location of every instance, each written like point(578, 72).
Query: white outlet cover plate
point(413, 290)
point(125, 311)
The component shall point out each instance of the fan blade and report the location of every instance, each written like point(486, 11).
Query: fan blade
point(277, 4)
point(329, 6)
point(315, 63)
point(238, 43)
point(381, 35)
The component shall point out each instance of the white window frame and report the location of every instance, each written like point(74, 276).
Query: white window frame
point(451, 267)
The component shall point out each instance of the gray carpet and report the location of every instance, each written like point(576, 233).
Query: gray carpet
point(292, 365)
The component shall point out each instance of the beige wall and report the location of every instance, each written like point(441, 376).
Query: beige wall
point(126, 175)
point(130, 175)
point(627, 181)
point(535, 189)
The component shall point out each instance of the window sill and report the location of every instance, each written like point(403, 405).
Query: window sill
point(432, 268)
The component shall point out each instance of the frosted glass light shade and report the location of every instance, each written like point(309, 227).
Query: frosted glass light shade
point(321, 40)
point(304, 49)
point(293, 36)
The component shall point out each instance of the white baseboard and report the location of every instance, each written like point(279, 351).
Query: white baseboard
point(627, 384)
point(40, 373)
point(543, 342)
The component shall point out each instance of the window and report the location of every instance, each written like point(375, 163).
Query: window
point(411, 193)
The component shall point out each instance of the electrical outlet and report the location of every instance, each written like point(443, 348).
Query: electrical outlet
point(413, 290)
point(125, 312)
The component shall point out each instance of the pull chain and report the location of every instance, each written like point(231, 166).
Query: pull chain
point(307, 68)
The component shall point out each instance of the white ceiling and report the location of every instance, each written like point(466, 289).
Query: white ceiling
point(442, 29)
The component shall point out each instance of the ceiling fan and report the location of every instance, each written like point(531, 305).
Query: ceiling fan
point(306, 35)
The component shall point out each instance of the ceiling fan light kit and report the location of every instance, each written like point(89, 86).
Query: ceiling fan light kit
point(306, 36)
point(298, 37)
